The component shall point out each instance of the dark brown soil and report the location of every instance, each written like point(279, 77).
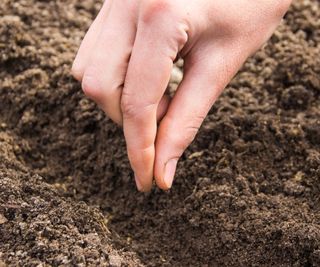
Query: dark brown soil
point(247, 190)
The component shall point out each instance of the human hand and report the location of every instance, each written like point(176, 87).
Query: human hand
point(126, 57)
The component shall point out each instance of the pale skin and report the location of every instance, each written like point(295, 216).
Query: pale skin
point(126, 57)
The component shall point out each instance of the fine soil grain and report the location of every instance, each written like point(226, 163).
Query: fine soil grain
point(247, 190)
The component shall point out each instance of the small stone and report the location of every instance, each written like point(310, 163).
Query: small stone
point(3, 220)
point(115, 261)
point(196, 155)
point(299, 176)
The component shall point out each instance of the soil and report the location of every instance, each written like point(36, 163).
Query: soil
point(246, 192)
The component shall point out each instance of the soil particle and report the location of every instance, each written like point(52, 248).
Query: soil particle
point(246, 191)
point(296, 97)
point(313, 132)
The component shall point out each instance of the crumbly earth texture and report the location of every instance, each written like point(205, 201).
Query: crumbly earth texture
point(247, 190)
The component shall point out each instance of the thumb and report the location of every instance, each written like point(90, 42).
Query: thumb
point(203, 82)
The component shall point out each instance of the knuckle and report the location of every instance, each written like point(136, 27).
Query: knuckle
point(158, 14)
point(128, 107)
point(192, 129)
point(177, 37)
point(189, 136)
point(134, 110)
point(153, 9)
point(182, 33)
point(173, 40)
point(90, 86)
point(145, 153)
point(182, 139)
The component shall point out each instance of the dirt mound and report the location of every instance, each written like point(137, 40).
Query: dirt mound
point(38, 226)
point(246, 191)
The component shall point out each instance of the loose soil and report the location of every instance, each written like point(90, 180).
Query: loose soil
point(247, 190)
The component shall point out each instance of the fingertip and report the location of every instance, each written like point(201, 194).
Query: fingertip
point(142, 187)
point(165, 179)
point(138, 183)
point(142, 162)
point(169, 172)
point(91, 87)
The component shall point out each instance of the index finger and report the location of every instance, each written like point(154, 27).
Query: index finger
point(158, 40)
point(147, 77)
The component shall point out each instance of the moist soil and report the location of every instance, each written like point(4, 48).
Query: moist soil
point(247, 190)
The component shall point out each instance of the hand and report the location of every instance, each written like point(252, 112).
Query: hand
point(125, 61)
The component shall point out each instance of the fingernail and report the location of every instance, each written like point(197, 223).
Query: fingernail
point(170, 170)
point(139, 186)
